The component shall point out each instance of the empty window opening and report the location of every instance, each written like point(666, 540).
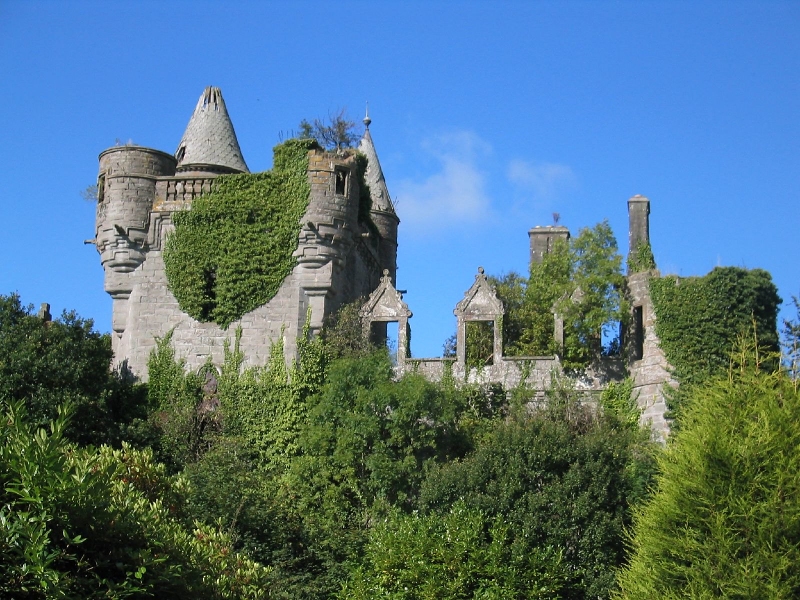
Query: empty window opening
point(392, 340)
point(377, 333)
point(181, 153)
point(101, 188)
point(341, 182)
point(638, 333)
point(480, 343)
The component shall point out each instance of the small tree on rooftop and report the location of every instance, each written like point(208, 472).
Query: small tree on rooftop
point(335, 133)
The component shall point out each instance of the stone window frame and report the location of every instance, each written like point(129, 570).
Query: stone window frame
point(480, 303)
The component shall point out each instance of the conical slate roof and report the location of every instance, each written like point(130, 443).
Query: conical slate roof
point(374, 175)
point(209, 139)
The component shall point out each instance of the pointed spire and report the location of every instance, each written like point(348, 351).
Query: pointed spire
point(374, 175)
point(209, 139)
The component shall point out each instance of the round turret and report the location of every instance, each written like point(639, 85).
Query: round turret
point(125, 192)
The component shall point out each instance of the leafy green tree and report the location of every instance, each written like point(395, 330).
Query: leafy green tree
point(343, 333)
point(85, 523)
point(725, 521)
point(459, 554)
point(597, 305)
point(561, 477)
point(65, 361)
point(582, 281)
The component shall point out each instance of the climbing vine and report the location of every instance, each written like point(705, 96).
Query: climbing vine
point(233, 248)
point(641, 259)
point(698, 320)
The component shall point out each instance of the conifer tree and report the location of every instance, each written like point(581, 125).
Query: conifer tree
point(725, 519)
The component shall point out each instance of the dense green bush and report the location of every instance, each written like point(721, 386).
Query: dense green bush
point(84, 523)
point(561, 477)
point(725, 519)
point(46, 364)
point(457, 555)
point(698, 320)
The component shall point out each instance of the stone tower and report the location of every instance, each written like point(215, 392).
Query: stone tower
point(339, 257)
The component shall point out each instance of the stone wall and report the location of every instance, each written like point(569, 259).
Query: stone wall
point(337, 260)
point(647, 364)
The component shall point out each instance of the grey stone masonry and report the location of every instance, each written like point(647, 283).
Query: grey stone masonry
point(209, 139)
point(543, 238)
point(647, 364)
point(385, 305)
point(338, 258)
point(638, 222)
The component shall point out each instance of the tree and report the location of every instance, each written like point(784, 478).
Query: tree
point(335, 133)
point(580, 280)
point(46, 364)
point(561, 477)
point(85, 523)
point(724, 521)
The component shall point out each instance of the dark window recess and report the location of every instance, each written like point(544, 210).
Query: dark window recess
point(638, 333)
point(181, 153)
point(101, 188)
point(341, 183)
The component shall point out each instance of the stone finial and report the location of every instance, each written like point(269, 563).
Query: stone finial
point(367, 120)
point(481, 299)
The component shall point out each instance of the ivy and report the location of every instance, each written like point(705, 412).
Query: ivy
point(641, 259)
point(233, 248)
point(698, 320)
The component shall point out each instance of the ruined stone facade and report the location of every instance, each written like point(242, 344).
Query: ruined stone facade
point(339, 259)
point(642, 357)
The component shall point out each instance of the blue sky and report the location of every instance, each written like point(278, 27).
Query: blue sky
point(487, 117)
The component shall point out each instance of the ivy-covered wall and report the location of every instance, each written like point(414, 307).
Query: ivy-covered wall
point(698, 319)
point(232, 249)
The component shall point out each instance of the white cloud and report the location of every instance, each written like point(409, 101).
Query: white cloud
point(544, 181)
point(455, 192)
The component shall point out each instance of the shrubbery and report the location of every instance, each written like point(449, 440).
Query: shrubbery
point(725, 520)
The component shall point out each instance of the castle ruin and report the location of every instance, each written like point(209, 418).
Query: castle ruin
point(338, 260)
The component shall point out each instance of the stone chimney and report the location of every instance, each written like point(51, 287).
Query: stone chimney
point(638, 222)
point(543, 238)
